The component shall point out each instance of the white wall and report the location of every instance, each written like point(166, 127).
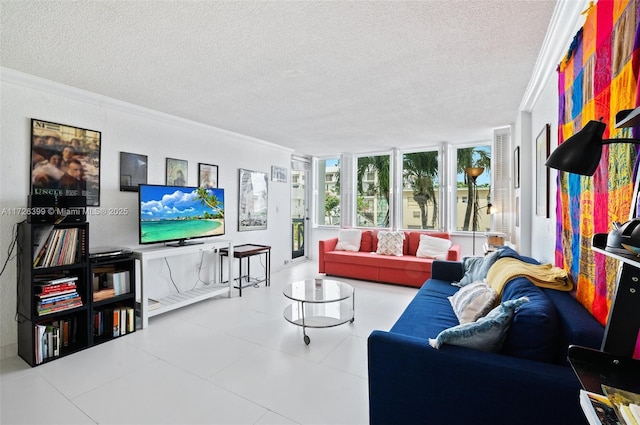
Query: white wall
point(545, 112)
point(129, 129)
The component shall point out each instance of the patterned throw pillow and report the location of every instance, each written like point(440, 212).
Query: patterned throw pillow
point(390, 243)
point(349, 240)
point(487, 334)
point(473, 301)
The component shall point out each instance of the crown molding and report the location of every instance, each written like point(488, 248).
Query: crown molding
point(11, 76)
point(565, 22)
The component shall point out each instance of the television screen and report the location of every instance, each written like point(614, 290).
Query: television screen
point(178, 213)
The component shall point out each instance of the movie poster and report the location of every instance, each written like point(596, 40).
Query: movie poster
point(65, 161)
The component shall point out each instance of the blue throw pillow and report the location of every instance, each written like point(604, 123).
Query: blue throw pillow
point(487, 334)
point(476, 268)
point(535, 328)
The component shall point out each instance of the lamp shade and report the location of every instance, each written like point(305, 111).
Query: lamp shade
point(580, 153)
point(473, 172)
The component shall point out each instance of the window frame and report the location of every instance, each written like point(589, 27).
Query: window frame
point(452, 169)
point(447, 185)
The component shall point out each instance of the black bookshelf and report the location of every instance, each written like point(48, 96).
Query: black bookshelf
point(56, 311)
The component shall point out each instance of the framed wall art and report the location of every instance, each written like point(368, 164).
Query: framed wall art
point(543, 144)
point(65, 161)
point(516, 167)
point(252, 200)
point(133, 171)
point(177, 172)
point(207, 175)
point(278, 174)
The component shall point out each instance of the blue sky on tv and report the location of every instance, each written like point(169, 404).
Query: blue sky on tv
point(171, 202)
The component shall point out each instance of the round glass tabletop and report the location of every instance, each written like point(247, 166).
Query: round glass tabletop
point(318, 291)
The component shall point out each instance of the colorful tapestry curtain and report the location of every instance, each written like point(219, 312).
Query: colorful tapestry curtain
point(597, 79)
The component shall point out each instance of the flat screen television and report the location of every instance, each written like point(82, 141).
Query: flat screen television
point(179, 214)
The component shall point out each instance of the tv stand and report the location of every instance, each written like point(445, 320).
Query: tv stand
point(147, 308)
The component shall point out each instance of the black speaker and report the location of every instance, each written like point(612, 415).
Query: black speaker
point(49, 209)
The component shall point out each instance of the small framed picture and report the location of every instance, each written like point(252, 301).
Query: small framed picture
point(516, 167)
point(543, 143)
point(177, 172)
point(207, 175)
point(278, 174)
point(133, 171)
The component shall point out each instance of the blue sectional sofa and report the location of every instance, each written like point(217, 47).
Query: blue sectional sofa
point(528, 382)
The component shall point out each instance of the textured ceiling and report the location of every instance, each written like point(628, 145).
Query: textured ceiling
point(316, 76)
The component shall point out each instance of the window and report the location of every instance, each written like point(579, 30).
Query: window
point(473, 198)
point(328, 213)
point(421, 201)
point(372, 202)
point(420, 190)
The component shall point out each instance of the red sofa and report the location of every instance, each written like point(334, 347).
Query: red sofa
point(366, 265)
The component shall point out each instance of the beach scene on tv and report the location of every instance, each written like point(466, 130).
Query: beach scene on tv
point(169, 213)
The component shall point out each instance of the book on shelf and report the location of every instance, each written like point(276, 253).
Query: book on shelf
point(121, 282)
point(131, 319)
point(49, 340)
point(110, 284)
point(58, 303)
point(153, 304)
point(123, 321)
point(62, 247)
point(40, 238)
point(51, 289)
point(114, 322)
point(47, 287)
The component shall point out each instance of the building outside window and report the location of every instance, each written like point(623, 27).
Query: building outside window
point(372, 195)
point(328, 213)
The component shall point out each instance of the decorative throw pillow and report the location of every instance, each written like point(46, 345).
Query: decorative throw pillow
point(473, 301)
point(390, 243)
point(349, 240)
point(431, 247)
point(476, 268)
point(486, 334)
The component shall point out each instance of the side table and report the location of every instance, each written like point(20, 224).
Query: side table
point(247, 251)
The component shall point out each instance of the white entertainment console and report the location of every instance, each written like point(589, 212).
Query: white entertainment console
point(183, 298)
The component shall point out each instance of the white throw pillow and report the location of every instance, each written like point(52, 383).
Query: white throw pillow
point(390, 243)
point(349, 240)
point(432, 247)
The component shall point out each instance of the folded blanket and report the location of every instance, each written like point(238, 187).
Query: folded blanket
point(542, 275)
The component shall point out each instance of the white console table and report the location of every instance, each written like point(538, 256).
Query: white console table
point(181, 299)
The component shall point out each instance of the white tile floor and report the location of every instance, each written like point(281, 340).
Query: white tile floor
point(222, 361)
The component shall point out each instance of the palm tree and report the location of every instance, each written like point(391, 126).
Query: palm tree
point(420, 169)
point(210, 200)
point(471, 157)
point(379, 165)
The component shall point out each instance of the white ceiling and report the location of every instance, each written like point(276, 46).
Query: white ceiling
point(316, 76)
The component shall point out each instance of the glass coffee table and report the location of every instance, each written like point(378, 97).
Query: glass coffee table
point(319, 303)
